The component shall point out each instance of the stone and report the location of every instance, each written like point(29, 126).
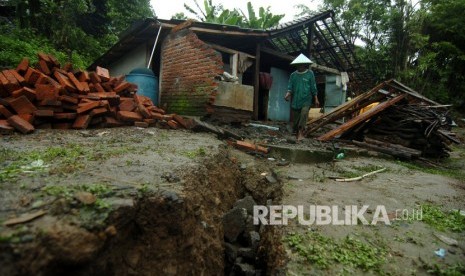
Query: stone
point(244, 269)
point(170, 195)
point(254, 239)
point(230, 252)
point(271, 179)
point(234, 223)
point(247, 253)
point(85, 198)
point(247, 203)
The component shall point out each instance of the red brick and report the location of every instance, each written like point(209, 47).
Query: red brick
point(69, 99)
point(85, 87)
point(44, 113)
point(141, 124)
point(150, 121)
point(168, 117)
point(87, 106)
point(5, 112)
point(65, 116)
point(156, 109)
point(107, 86)
point(94, 78)
point(5, 127)
point(127, 105)
point(32, 76)
point(181, 121)
point(57, 109)
point(70, 107)
point(102, 73)
point(250, 147)
point(82, 121)
point(112, 122)
point(44, 57)
point(157, 116)
point(46, 92)
point(18, 77)
point(83, 76)
point(128, 116)
point(64, 81)
point(123, 86)
point(27, 117)
point(22, 105)
point(22, 66)
point(75, 81)
point(54, 61)
point(98, 111)
point(20, 124)
point(12, 83)
point(25, 91)
point(50, 102)
point(173, 124)
point(3, 92)
point(99, 87)
point(43, 67)
point(68, 67)
point(141, 108)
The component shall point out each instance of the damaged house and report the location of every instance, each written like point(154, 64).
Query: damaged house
point(232, 73)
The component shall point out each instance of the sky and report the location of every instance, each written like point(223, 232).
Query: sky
point(165, 9)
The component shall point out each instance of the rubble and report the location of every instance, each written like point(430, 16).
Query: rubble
point(403, 124)
point(49, 95)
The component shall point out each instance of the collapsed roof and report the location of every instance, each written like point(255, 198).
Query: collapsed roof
point(318, 35)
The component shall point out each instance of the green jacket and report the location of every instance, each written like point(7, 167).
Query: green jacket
point(302, 86)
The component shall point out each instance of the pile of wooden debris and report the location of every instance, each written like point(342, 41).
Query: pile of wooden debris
point(402, 123)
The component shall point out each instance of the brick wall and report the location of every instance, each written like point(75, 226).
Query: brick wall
point(189, 67)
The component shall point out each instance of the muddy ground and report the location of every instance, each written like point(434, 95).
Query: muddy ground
point(133, 201)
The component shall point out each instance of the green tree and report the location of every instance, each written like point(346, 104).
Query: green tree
point(122, 14)
point(214, 13)
point(264, 20)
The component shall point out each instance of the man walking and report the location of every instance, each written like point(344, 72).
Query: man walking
point(302, 89)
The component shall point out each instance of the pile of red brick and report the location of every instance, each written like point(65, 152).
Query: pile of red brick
point(49, 95)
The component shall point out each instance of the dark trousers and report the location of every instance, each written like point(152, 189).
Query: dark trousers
point(300, 117)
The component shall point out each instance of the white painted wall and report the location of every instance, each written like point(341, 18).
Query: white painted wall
point(136, 58)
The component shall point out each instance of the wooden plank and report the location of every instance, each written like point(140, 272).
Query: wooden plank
point(340, 111)
point(361, 118)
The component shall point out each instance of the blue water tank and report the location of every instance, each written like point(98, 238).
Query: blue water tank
point(147, 83)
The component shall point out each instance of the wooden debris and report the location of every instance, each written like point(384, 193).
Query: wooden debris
point(359, 177)
point(24, 218)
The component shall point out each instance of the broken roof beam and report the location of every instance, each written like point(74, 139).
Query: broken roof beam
point(315, 66)
point(335, 58)
point(229, 50)
point(279, 30)
point(342, 110)
point(361, 118)
point(402, 87)
point(349, 62)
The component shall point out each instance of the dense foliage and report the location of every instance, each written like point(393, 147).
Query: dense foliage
point(419, 42)
point(73, 30)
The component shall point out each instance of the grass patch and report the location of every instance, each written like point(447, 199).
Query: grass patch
point(325, 252)
point(195, 153)
point(443, 221)
point(452, 270)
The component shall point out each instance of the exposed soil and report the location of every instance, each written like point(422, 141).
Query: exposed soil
point(158, 198)
point(409, 245)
